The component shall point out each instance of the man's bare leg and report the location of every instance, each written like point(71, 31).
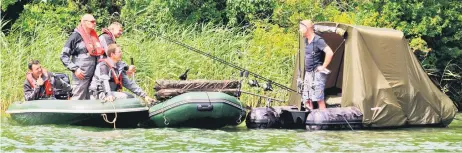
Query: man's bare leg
point(321, 104)
point(309, 104)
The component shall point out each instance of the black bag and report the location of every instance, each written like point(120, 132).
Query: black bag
point(290, 117)
point(61, 93)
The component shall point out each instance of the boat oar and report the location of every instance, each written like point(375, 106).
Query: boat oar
point(262, 96)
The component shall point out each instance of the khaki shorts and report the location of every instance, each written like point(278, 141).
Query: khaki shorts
point(313, 86)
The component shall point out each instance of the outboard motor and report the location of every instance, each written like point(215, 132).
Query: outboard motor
point(262, 117)
point(290, 117)
point(60, 93)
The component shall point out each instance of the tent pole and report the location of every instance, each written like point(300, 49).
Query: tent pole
point(341, 60)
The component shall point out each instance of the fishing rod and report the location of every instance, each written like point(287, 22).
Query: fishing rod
point(257, 95)
point(227, 63)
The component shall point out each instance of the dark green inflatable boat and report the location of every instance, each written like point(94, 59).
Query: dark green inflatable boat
point(79, 112)
point(197, 110)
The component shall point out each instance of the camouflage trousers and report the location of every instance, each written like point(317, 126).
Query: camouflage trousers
point(313, 86)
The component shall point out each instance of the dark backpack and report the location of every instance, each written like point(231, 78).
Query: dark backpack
point(60, 93)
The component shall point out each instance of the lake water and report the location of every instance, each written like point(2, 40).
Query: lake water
point(52, 138)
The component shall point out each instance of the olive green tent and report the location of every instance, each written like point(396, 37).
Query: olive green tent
point(378, 73)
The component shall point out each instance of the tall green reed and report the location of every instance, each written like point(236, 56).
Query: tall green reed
point(17, 50)
point(157, 58)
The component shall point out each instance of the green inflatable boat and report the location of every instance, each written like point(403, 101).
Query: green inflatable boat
point(127, 112)
point(197, 110)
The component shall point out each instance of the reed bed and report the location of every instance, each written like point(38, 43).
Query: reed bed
point(155, 58)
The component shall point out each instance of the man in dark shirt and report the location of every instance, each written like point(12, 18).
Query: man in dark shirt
point(40, 84)
point(317, 57)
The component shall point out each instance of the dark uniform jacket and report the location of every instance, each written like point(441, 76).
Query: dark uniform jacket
point(106, 40)
point(75, 55)
point(103, 80)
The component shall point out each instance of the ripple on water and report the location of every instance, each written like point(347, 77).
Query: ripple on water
point(51, 138)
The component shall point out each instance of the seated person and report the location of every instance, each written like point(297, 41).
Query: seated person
point(41, 84)
point(109, 78)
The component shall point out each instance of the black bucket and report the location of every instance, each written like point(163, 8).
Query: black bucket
point(291, 118)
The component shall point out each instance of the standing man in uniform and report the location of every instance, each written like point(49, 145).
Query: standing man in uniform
point(108, 37)
point(317, 57)
point(80, 54)
point(110, 34)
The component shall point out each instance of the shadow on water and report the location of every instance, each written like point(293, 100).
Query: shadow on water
point(63, 138)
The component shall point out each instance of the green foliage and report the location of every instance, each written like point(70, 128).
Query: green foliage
point(435, 22)
point(146, 15)
point(197, 11)
point(62, 18)
point(6, 3)
point(64, 15)
point(288, 13)
point(243, 12)
point(218, 12)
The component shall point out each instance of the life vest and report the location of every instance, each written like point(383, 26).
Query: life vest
point(106, 31)
point(91, 41)
point(46, 84)
point(117, 79)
